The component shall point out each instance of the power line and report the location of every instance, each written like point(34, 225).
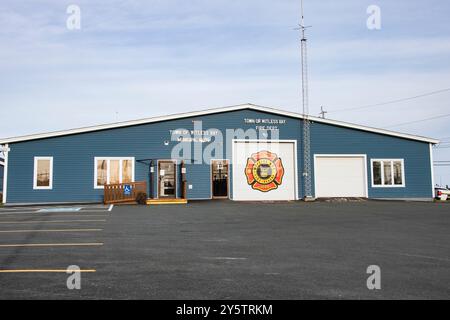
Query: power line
point(417, 121)
point(391, 101)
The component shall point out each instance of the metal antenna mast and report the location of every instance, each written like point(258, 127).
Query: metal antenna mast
point(322, 112)
point(307, 181)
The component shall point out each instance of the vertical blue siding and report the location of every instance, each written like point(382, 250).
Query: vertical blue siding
point(328, 139)
point(199, 176)
point(73, 174)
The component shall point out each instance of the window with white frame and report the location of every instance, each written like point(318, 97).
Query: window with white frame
point(43, 173)
point(388, 173)
point(113, 171)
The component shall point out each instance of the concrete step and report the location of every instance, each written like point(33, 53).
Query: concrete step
point(166, 201)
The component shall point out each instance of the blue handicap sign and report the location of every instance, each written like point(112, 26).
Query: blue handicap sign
point(127, 190)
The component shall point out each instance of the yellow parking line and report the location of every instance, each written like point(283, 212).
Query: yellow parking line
point(49, 245)
point(46, 271)
point(50, 221)
point(51, 230)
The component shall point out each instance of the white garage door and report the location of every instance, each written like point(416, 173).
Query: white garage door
point(264, 171)
point(340, 176)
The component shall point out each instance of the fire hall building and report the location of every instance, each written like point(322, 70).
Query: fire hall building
point(242, 153)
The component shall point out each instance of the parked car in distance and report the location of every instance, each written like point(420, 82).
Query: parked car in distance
point(442, 193)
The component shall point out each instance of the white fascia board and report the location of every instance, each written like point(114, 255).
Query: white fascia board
point(375, 130)
point(348, 125)
point(214, 111)
point(121, 124)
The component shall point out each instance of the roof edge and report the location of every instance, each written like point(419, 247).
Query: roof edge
point(208, 112)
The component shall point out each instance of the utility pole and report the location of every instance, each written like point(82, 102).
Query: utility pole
point(307, 181)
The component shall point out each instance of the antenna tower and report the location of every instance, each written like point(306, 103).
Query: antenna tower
point(307, 181)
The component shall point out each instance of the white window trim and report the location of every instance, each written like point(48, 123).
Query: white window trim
point(35, 186)
point(382, 185)
point(108, 159)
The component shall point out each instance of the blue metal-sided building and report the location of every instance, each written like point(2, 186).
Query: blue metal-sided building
point(244, 152)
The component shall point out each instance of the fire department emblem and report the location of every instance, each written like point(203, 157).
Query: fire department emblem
point(264, 171)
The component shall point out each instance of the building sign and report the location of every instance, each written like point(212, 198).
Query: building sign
point(201, 136)
point(265, 124)
point(264, 171)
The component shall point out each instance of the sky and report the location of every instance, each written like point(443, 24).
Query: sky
point(136, 59)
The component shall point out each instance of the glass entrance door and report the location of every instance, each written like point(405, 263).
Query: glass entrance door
point(219, 178)
point(167, 179)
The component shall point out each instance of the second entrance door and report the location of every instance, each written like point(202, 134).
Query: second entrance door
point(167, 179)
point(220, 173)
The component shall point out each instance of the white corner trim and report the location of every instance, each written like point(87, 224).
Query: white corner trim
point(297, 187)
point(403, 185)
point(432, 171)
point(35, 186)
point(214, 111)
point(5, 173)
point(108, 159)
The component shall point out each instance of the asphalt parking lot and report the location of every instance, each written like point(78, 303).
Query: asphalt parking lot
point(228, 250)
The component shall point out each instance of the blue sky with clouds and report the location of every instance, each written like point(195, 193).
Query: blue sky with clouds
point(134, 59)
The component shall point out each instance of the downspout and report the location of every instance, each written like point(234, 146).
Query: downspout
point(183, 181)
point(150, 172)
point(6, 151)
